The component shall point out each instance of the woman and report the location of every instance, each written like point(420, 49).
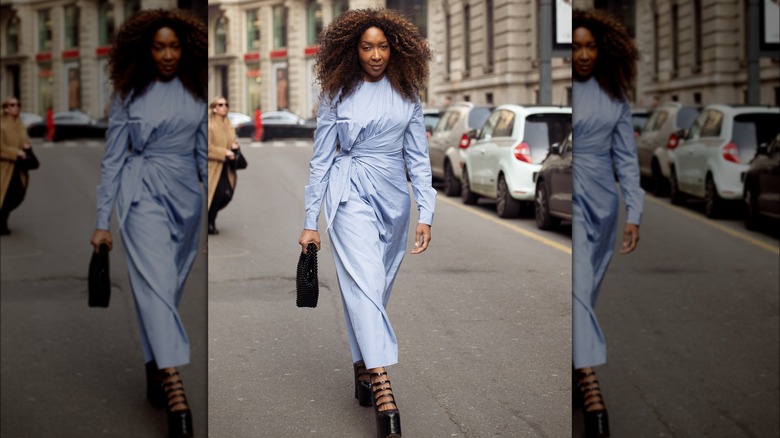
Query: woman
point(222, 143)
point(371, 65)
point(603, 57)
point(155, 153)
point(13, 143)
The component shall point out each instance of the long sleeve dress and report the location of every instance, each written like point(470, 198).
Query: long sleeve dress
point(603, 140)
point(358, 169)
point(155, 150)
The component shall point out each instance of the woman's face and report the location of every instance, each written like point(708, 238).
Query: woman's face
point(221, 108)
point(12, 108)
point(374, 53)
point(166, 52)
point(584, 53)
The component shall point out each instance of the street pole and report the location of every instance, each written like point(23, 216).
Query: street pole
point(545, 52)
point(753, 79)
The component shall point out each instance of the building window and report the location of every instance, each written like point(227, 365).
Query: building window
point(45, 87)
point(416, 10)
point(44, 30)
point(252, 31)
point(447, 43)
point(220, 35)
point(675, 41)
point(313, 22)
point(339, 7)
point(71, 27)
point(12, 36)
point(489, 98)
point(106, 23)
point(697, 98)
point(489, 34)
point(131, 7)
point(697, 36)
point(280, 27)
point(466, 40)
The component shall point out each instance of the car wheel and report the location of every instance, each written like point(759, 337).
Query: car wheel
point(544, 220)
point(506, 205)
point(468, 197)
point(451, 184)
point(678, 197)
point(752, 217)
point(712, 202)
point(660, 186)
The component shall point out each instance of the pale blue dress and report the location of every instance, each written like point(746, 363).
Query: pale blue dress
point(603, 140)
point(155, 149)
point(367, 204)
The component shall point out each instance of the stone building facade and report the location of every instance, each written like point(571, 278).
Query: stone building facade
point(262, 51)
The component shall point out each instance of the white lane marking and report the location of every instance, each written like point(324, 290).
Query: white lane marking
point(256, 144)
point(278, 144)
point(302, 144)
point(48, 145)
point(70, 144)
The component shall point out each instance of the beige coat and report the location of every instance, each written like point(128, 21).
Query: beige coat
point(13, 136)
point(221, 136)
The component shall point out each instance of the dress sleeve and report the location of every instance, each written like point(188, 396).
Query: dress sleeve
point(201, 152)
point(419, 165)
point(117, 139)
point(627, 166)
point(321, 162)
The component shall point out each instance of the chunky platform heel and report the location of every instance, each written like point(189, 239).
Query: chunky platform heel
point(179, 420)
point(388, 422)
point(362, 384)
point(596, 420)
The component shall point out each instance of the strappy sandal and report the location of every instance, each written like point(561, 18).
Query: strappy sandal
point(388, 422)
point(180, 420)
point(362, 384)
point(596, 420)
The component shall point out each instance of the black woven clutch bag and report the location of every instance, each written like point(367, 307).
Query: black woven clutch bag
point(99, 283)
point(307, 285)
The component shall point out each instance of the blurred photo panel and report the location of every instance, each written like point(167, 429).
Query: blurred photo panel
point(103, 286)
point(675, 140)
point(356, 125)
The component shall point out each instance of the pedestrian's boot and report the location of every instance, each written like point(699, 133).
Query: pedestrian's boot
point(595, 411)
point(179, 414)
point(388, 421)
point(362, 384)
point(155, 392)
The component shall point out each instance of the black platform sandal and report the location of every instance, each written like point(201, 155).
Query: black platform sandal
point(596, 420)
point(362, 384)
point(154, 385)
point(388, 422)
point(179, 420)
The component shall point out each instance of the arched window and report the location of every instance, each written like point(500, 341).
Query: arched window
point(220, 35)
point(12, 36)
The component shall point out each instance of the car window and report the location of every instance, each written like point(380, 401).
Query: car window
point(566, 145)
point(448, 121)
point(695, 130)
point(638, 120)
point(505, 124)
point(477, 117)
point(751, 130)
point(542, 130)
point(660, 119)
point(712, 125)
point(430, 120)
point(686, 117)
point(487, 129)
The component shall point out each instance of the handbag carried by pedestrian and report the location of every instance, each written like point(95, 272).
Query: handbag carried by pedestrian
point(99, 282)
point(240, 161)
point(307, 285)
point(30, 162)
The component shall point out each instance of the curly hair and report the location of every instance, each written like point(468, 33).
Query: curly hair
point(131, 67)
point(338, 69)
point(615, 68)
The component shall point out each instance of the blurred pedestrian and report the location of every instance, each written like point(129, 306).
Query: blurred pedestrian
point(372, 65)
point(604, 60)
point(49, 124)
point(155, 153)
point(258, 124)
point(222, 176)
point(13, 177)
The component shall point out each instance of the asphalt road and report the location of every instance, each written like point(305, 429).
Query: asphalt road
point(68, 370)
point(483, 320)
point(692, 324)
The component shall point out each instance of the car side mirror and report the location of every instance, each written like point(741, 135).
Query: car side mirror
point(762, 149)
point(681, 133)
point(555, 149)
point(429, 130)
point(473, 133)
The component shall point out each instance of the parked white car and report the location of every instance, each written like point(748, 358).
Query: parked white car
point(710, 160)
point(507, 153)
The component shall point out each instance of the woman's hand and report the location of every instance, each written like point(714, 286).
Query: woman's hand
point(230, 155)
point(422, 237)
point(234, 146)
point(101, 236)
point(307, 237)
point(21, 154)
point(630, 238)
